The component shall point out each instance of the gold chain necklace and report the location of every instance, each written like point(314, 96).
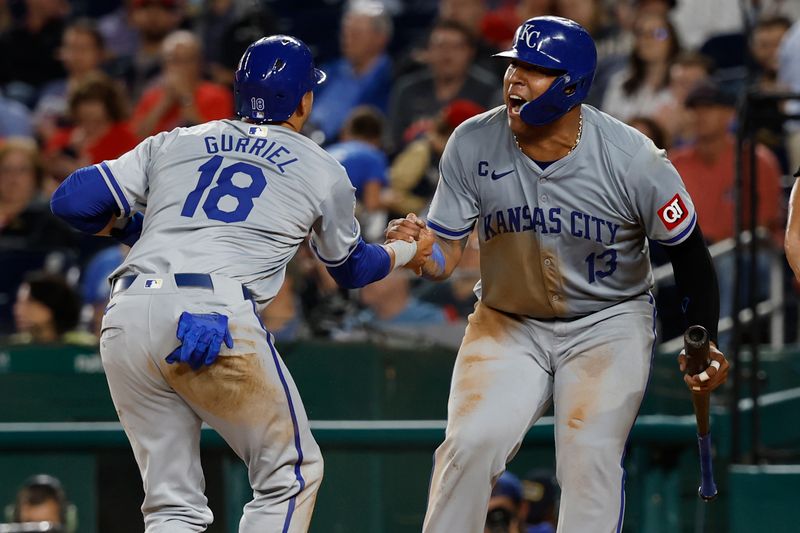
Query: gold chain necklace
point(577, 138)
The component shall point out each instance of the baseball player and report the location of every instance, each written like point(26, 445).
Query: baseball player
point(228, 203)
point(564, 198)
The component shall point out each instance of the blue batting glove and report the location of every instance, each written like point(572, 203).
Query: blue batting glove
point(201, 337)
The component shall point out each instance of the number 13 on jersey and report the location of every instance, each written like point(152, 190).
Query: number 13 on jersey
point(225, 186)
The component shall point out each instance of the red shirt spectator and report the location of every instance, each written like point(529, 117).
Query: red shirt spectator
point(212, 102)
point(710, 183)
point(181, 98)
point(117, 140)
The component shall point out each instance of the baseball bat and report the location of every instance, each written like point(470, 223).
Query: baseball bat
point(696, 346)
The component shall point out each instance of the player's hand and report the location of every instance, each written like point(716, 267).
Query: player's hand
point(201, 337)
point(424, 250)
point(712, 377)
point(405, 229)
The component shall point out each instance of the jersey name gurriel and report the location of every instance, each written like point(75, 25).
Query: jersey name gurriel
point(526, 218)
point(272, 152)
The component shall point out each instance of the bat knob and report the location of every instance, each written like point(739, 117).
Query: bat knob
point(706, 498)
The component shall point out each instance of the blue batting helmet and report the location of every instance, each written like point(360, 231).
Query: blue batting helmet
point(558, 44)
point(273, 75)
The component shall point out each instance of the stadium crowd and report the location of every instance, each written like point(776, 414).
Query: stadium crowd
point(85, 81)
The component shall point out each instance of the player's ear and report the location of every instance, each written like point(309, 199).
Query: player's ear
point(303, 110)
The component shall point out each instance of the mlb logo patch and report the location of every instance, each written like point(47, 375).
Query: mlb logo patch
point(153, 283)
point(257, 131)
point(673, 212)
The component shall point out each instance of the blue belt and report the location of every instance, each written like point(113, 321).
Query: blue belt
point(202, 281)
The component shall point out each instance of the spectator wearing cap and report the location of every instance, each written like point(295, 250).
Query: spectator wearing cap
point(367, 167)
point(507, 509)
point(707, 167)
point(540, 491)
point(450, 75)
point(415, 171)
point(181, 97)
point(362, 75)
point(47, 310)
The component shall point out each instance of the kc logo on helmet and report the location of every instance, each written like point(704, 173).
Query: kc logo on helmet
point(526, 33)
point(673, 212)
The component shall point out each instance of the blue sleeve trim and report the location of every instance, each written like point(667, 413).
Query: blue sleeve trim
point(367, 263)
point(688, 229)
point(328, 262)
point(121, 200)
point(450, 233)
point(84, 200)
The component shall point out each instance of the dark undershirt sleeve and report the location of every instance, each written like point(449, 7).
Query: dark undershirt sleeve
point(697, 282)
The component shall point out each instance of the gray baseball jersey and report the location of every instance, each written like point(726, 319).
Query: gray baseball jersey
point(564, 313)
point(234, 199)
point(569, 240)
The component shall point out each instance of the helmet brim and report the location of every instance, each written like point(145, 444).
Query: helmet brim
point(319, 76)
point(508, 54)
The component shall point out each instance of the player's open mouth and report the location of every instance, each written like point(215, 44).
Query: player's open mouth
point(515, 103)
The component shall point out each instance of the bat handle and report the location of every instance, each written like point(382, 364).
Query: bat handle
point(708, 489)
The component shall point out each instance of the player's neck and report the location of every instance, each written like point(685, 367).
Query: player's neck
point(552, 141)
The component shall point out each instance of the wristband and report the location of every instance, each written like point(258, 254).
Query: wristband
point(403, 252)
point(437, 256)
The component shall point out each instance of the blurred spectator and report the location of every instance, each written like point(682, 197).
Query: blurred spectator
point(366, 166)
point(46, 311)
point(767, 115)
point(97, 109)
point(227, 28)
point(42, 499)
point(25, 218)
point(415, 171)
point(498, 26)
point(707, 166)
point(153, 21)
point(82, 53)
point(507, 509)
point(456, 295)
point(122, 39)
point(28, 56)
point(390, 308)
point(181, 98)
point(687, 71)
point(591, 15)
point(15, 119)
point(699, 20)
point(540, 490)
point(362, 76)
point(95, 288)
point(789, 76)
point(450, 75)
point(642, 87)
point(471, 14)
point(652, 129)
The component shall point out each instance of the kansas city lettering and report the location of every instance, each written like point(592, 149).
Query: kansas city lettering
point(526, 218)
